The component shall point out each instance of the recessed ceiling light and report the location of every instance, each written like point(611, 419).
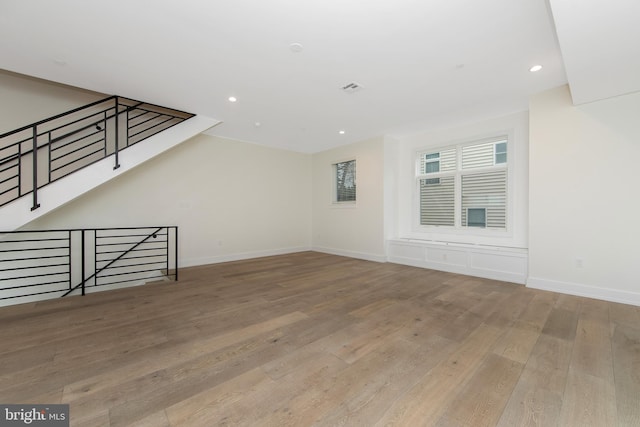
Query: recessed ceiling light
point(257, 124)
point(296, 47)
point(232, 99)
point(535, 68)
point(341, 132)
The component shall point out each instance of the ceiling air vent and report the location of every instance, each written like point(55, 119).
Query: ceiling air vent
point(351, 87)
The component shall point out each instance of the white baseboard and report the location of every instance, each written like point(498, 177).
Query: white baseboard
point(351, 254)
point(613, 295)
point(193, 262)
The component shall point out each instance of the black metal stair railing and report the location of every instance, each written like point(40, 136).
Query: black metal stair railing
point(59, 262)
point(38, 154)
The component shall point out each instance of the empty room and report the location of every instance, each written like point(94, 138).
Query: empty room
point(319, 213)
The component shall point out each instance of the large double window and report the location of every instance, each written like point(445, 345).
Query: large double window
point(464, 185)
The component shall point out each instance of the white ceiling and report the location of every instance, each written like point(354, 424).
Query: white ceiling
point(600, 42)
point(422, 64)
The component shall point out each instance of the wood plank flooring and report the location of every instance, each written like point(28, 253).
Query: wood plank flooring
point(311, 339)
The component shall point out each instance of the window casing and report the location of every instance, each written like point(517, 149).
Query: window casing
point(464, 186)
point(344, 177)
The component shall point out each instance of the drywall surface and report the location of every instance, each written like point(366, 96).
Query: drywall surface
point(231, 200)
point(583, 200)
point(350, 229)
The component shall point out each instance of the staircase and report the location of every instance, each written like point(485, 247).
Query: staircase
point(51, 162)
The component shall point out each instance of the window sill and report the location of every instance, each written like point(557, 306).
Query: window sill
point(343, 205)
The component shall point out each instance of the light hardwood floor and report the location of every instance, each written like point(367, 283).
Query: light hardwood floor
point(316, 339)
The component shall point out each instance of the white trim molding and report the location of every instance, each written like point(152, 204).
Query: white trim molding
point(350, 254)
point(490, 262)
point(578, 289)
point(193, 262)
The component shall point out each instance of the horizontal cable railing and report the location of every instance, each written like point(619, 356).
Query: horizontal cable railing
point(38, 154)
point(53, 263)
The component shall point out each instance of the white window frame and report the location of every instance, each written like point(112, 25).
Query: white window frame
point(458, 229)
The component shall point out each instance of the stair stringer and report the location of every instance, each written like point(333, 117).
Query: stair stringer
point(18, 213)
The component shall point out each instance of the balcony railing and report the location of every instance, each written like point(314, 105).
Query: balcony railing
point(51, 263)
point(41, 153)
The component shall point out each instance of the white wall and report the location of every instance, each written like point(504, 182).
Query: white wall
point(391, 186)
point(584, 203)
point(25, 100)
point(575, 204)
point(404, 225)
point(231, 200)
point(355, 230)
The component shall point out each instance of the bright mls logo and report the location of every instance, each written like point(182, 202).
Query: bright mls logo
point(34, 415)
